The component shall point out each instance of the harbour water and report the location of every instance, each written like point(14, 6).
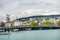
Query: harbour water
point(33, 35)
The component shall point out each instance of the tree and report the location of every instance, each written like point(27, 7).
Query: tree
point(58, 22)
point(33, 24)
point(47, 23)
point(2, 24)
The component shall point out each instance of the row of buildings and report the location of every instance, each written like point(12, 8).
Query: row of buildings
point(27, 20)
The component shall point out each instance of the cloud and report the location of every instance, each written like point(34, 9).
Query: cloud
point(22, 8)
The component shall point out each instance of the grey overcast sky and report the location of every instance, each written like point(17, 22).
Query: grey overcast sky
point(22, 8)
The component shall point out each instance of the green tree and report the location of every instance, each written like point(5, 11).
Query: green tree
point(58, 22)
point(47, 23)
point(33, 24)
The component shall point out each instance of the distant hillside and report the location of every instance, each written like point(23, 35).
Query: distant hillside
point(38, 16)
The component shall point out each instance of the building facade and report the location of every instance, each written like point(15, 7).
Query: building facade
point(28, 20)
point(7, 23)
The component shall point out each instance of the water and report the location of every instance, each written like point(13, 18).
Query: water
point(33, 35)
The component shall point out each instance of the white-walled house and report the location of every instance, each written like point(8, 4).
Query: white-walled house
point(17, 23)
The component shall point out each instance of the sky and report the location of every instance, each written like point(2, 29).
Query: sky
point(24, 8)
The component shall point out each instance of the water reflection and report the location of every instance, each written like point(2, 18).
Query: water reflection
point(5, 33)
point(33, 35)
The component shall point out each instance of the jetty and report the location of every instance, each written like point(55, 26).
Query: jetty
point(29, 28)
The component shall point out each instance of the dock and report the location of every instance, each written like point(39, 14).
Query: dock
point(29, 28)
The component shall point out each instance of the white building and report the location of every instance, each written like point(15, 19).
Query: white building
point(17, 23)
point(7, 24)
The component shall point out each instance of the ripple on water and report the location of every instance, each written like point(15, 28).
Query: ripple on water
point(33, 35)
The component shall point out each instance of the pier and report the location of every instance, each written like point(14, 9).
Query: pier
point(29, 28)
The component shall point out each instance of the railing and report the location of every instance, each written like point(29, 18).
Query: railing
point(21, 28)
